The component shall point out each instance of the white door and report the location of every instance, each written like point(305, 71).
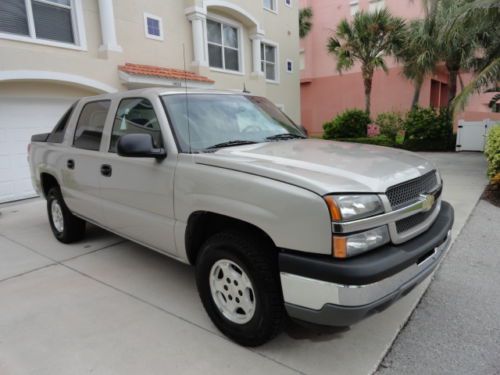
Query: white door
point(20, 118)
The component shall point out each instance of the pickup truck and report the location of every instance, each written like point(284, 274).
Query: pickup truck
point(277, 225)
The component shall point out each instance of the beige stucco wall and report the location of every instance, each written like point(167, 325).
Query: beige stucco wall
point(280, 28)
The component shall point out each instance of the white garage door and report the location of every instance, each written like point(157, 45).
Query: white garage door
point(20, 118)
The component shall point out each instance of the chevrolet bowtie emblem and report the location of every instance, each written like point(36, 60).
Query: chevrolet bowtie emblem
point(427, 201)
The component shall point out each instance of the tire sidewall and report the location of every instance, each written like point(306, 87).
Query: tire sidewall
point(210, 254)
point(55, 195)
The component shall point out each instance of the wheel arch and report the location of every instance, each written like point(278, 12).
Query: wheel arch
point(48, 181)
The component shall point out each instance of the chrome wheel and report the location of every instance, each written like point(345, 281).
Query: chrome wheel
point(232, 291)
point(57, 216)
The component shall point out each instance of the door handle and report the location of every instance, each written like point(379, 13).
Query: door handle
point(70, 164)
point(106, 170)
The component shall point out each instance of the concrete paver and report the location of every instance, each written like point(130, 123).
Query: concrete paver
point(166, 287)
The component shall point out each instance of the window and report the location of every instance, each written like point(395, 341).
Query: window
point(268, 61)
point(354, 7)
point(223, 46)
point(90, 124)
point(289, 66)
point(57, 135)
point(288, 3)
point(135, 116)
point(270, 5)
point(302, 59)
point(376, 5)
point(153, 27)
point(49, 20)
point(214, 119)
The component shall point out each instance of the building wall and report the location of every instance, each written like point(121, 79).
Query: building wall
point(325, 92)
point(101, 66)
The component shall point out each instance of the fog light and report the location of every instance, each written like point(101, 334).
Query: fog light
point(354, 244)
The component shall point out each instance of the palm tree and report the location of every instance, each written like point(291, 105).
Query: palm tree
point(419, 54)
point(305, 24)
point(369, 39)
point(480, 16)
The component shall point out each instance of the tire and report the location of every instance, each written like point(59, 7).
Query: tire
point(67, 228)
point(225, 254)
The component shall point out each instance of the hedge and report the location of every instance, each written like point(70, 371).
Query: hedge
point(492, 152)
point(351, 123)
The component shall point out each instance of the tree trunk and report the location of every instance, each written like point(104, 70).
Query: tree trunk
point(416, 93)
point(368, 92)
point(452, 84)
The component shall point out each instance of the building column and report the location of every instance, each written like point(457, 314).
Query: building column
point(256, 56)
point(198, 21)
point(108, 30)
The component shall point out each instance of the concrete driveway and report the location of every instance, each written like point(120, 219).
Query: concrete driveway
point(106, 305)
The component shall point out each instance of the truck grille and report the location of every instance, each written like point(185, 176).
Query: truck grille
point(408, 192)
point(412, 221)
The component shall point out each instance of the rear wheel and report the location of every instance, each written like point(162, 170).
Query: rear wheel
point(66, 227)
point(238, 282)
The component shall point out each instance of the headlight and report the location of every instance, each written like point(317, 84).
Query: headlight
point(354, 244)
point(352, 207)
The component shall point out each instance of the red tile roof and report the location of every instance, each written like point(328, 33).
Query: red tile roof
point(158, 71)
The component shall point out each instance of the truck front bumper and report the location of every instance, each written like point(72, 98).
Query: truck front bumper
point(327, 291)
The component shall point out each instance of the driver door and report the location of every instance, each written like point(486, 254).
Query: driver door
point(138, 192)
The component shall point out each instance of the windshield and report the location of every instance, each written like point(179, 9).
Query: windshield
point(218, 120)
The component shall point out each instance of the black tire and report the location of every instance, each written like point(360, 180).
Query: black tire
point(73, 227)
point(258, 259)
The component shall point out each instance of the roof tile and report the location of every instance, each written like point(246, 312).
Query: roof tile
point(158, 71)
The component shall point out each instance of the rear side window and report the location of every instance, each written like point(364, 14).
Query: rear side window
point(57, 134)
point(135, 116)
point(90, 124)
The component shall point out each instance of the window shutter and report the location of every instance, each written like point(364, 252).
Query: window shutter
point(13, 17)
point(53, 22)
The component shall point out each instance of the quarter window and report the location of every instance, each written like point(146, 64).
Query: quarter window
point(57, 135)
point(268, 61)
point(223, 46)
point(135, 116)
point(38, 19)
point(90, 124)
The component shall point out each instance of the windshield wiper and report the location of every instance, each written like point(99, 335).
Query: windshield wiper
point(284, 136)
point(236, 142)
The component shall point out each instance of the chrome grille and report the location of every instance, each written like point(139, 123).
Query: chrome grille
point(409, 191)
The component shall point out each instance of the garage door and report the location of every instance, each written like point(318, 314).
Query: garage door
point(19, 119)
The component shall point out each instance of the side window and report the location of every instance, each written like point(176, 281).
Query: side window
point(90, 124)
point(57, 135)
point(135, 116)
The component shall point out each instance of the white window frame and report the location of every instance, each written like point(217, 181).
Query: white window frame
point(160, 25)
point(275, 3)
point(77, 24)
point(288, 3)
point(276, 79)
point(354, 7)
point(240, 30)
point(302, 59)
point(289, 61)
point(376, 4)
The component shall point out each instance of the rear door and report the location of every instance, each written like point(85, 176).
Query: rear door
point(81, 169)
point(138, 192)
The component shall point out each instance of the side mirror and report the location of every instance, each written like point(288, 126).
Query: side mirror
point(139, 146)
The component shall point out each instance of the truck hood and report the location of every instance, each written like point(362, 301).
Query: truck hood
point(322, 166)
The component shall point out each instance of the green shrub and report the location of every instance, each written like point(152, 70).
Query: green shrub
point(492, 152)
point(380, 140)
point(428, 130)
point(390, 124)
point(349, 124)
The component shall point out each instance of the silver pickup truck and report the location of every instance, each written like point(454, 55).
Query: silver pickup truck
point(276, 224)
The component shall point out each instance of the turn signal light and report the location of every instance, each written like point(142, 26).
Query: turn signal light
point(339, 247)
point(333, 208)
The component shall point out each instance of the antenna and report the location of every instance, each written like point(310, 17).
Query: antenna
point(187, 96)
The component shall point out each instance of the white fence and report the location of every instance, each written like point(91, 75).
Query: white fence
point(471, 135)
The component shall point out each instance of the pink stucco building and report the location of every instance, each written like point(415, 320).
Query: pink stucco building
point(325, 93)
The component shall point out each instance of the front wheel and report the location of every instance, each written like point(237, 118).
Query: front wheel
point(238, 282)
point(66, 227)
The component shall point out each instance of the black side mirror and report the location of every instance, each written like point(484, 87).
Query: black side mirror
point(139, 146)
